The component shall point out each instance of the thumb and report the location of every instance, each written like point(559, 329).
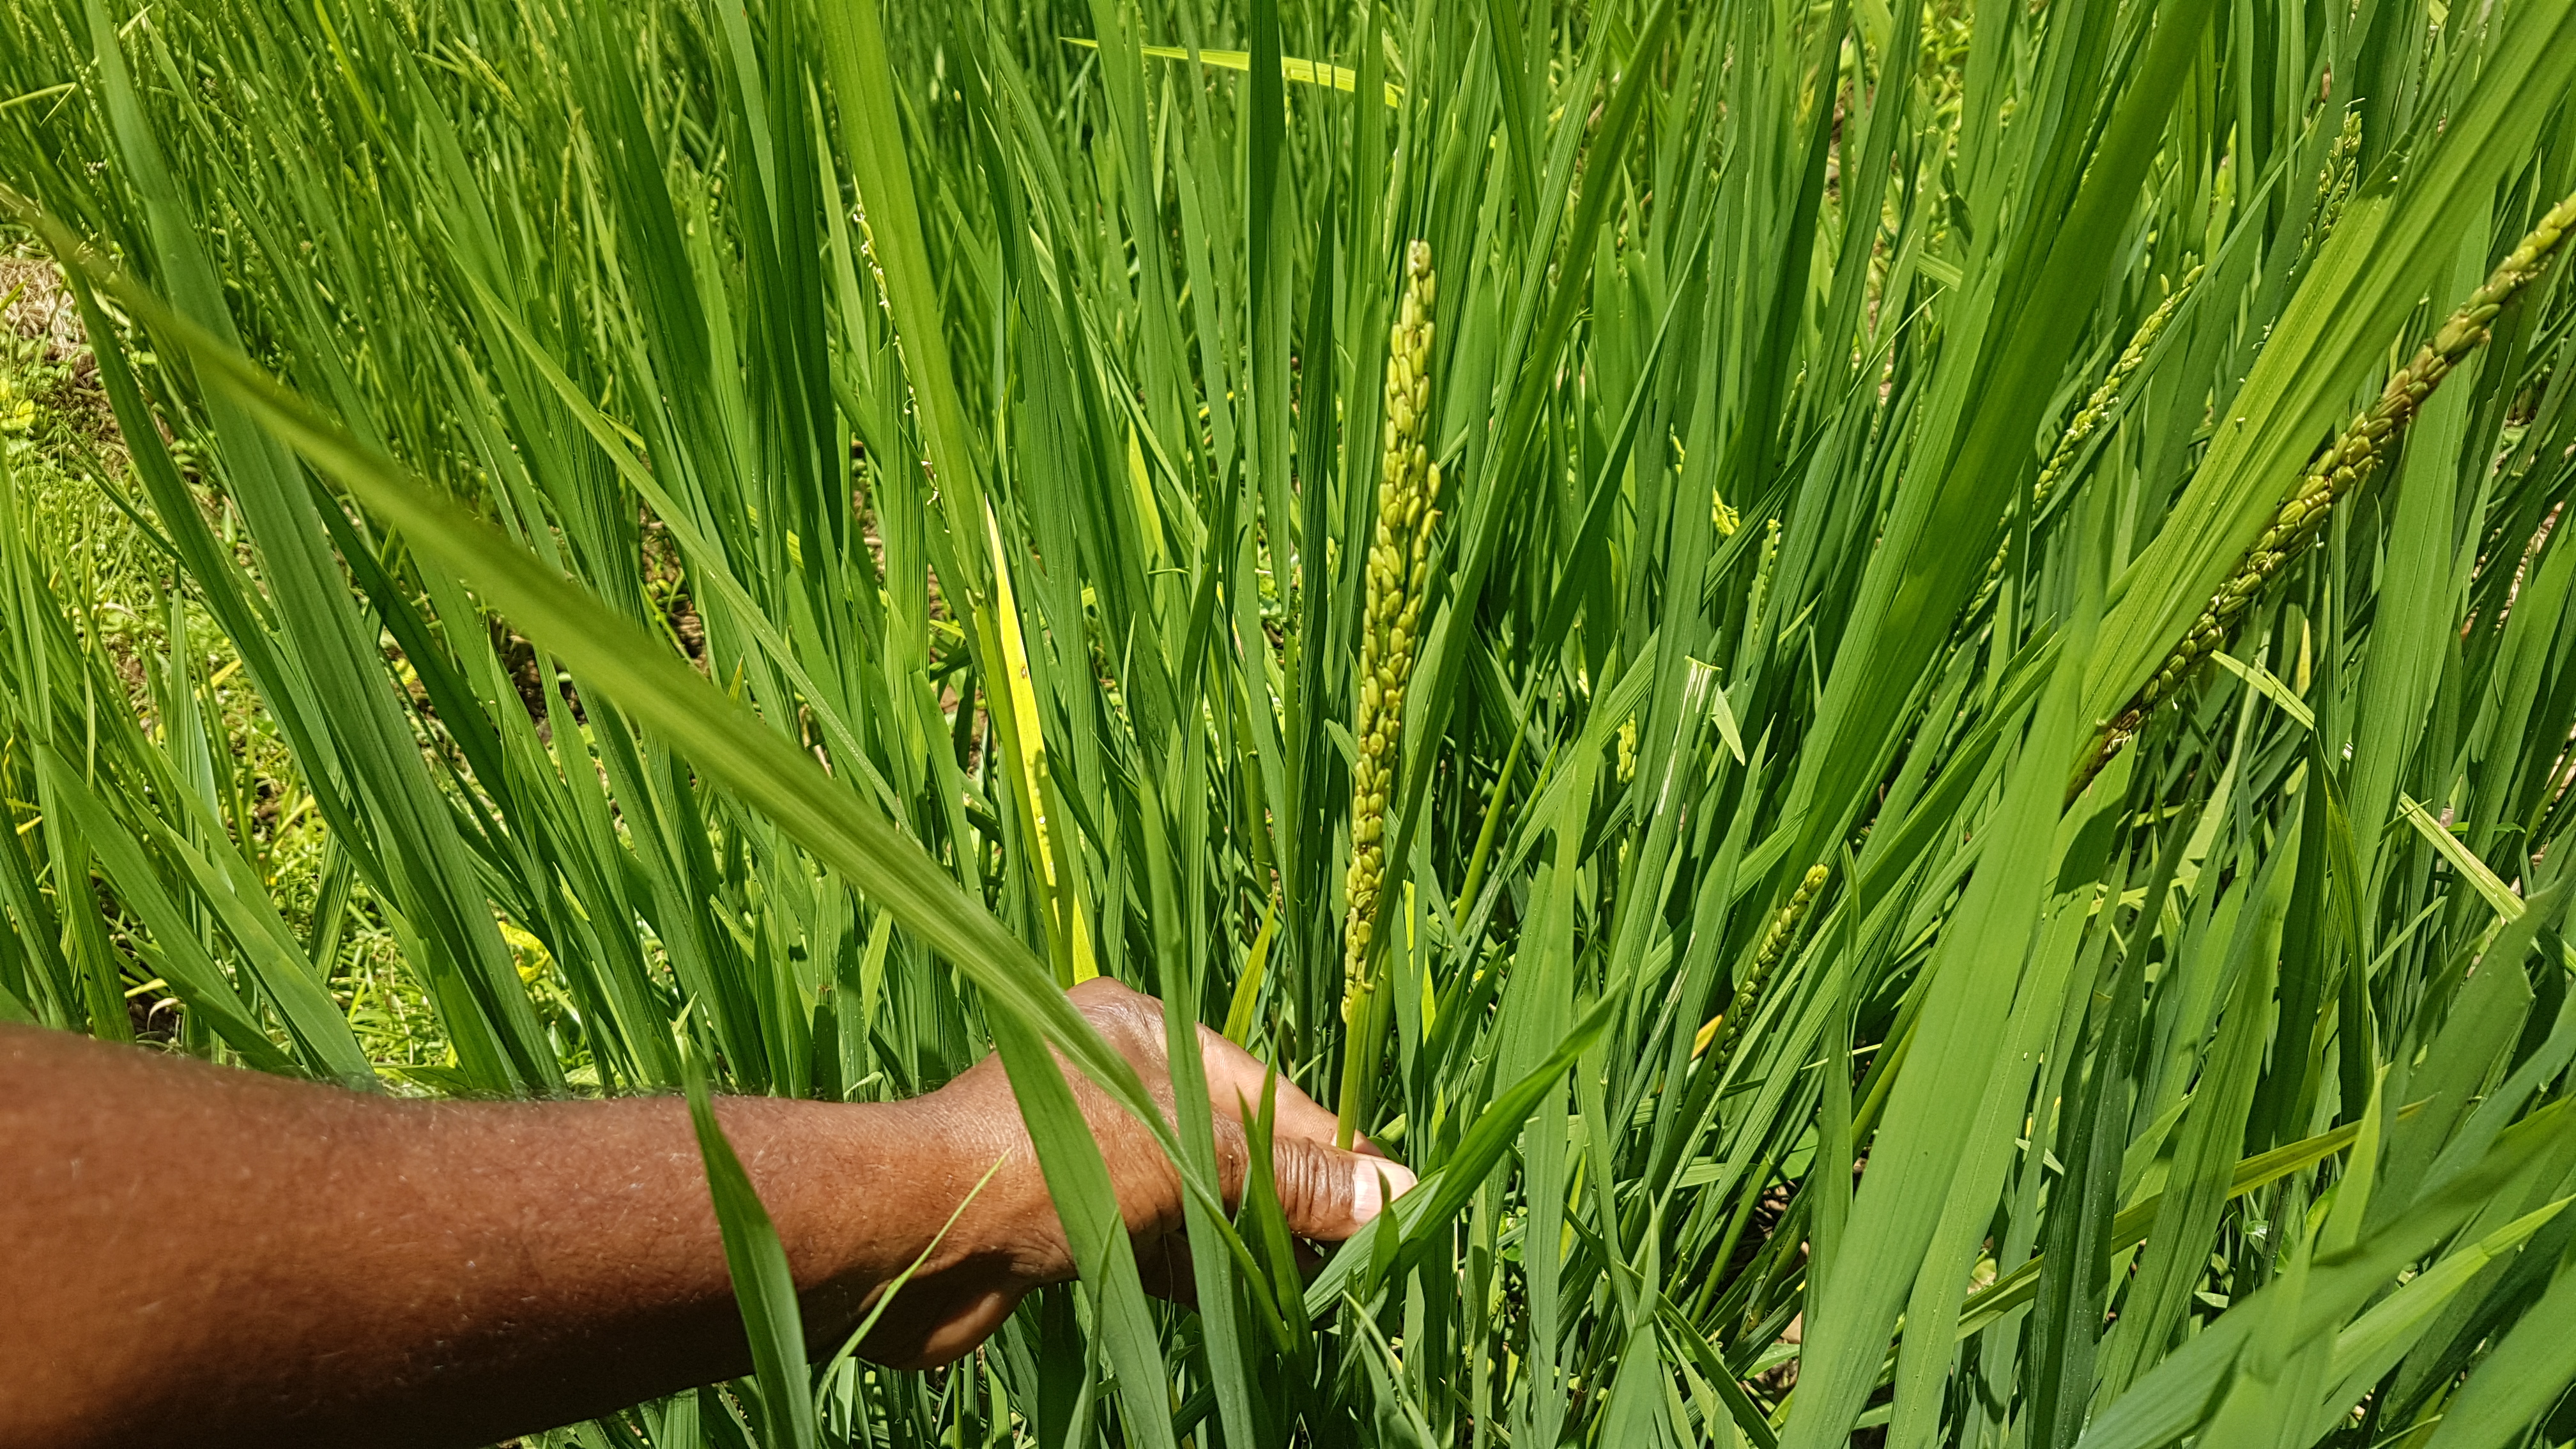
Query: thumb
point(1328, 1194)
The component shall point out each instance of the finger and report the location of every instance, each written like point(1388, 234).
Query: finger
point(1164, 1265)
point(1233, 1160)
point(1309, 1261)
point(937, 1328)
point(1235, 1079)
point(1328, 1194)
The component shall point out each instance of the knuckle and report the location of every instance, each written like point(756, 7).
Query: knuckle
point(1310, 1190)
point(1232, 1157)
point(1106, 993)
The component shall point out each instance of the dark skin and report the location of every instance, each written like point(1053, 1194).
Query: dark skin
point(212, 1257)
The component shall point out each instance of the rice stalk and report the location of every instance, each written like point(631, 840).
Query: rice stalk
point(687, 261)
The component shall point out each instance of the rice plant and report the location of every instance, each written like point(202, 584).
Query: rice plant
point(1827, 658)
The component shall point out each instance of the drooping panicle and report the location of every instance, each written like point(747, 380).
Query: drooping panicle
point(1721, 1030)
point(2355, 456)
point(2087, 419)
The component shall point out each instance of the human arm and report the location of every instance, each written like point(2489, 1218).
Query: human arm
point(241, 1259)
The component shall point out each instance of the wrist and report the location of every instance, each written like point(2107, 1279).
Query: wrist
point(915, 1192)
point(908, 1191)
point(926, 1170)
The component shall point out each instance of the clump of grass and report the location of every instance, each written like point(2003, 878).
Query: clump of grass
point(78, 512)
point(706, 285)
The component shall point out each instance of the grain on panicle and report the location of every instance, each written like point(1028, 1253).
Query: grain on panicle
point(2098, 406)
point(1762, 571)
point(2089, 417)
point(2355, 456)
point(2334, 183)
point(1398, 580)
point(1721, 1030)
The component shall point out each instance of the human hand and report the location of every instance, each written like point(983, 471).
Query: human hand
point(1009, 1241)
point(489, 1268)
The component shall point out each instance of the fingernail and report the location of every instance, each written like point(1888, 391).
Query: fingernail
point(1368, 1197)
point(1365, 1201)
